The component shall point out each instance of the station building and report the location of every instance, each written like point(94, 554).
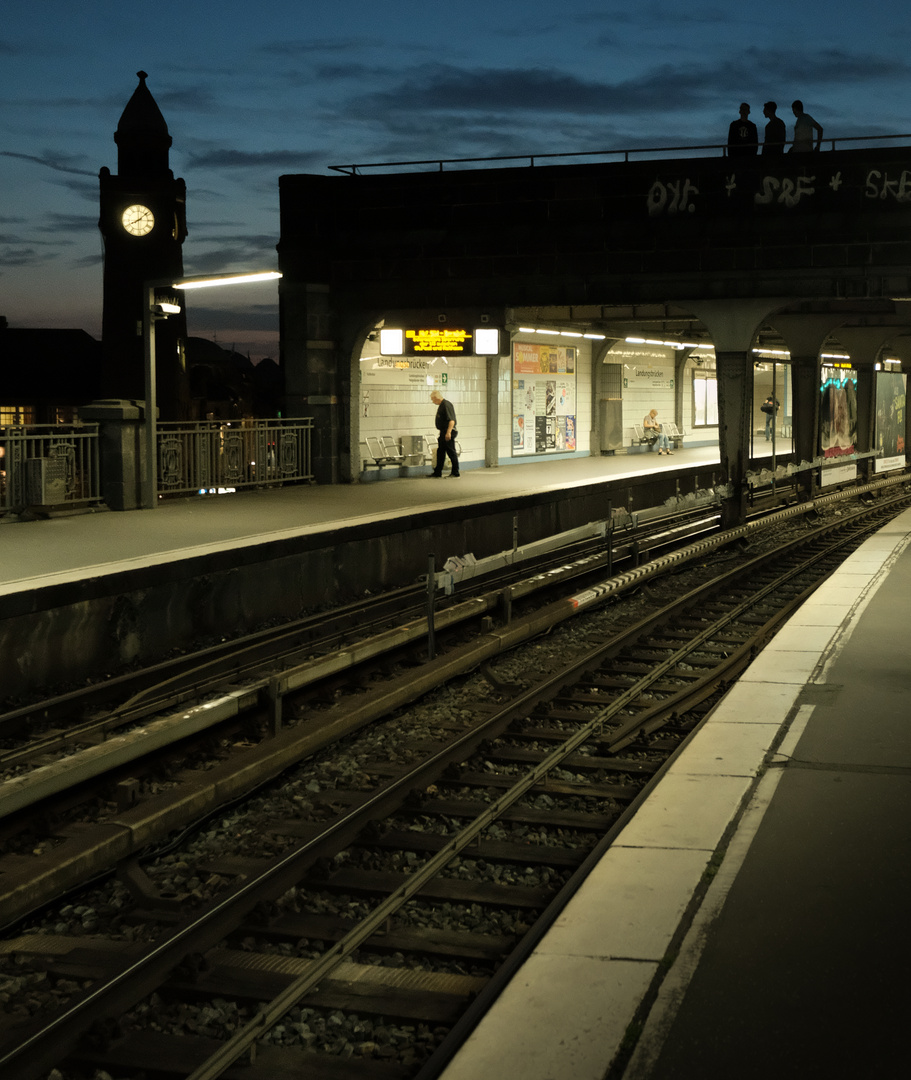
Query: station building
point(696, 287)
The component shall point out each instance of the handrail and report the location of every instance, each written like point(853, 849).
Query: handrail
point(352, 170)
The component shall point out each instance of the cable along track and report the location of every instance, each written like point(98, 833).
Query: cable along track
point(546, 761)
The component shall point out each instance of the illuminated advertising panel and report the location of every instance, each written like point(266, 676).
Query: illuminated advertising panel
point(543, 398)
point(838, 412)
point(889, 436)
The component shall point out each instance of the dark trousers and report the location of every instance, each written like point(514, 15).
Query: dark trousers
point(446, 446)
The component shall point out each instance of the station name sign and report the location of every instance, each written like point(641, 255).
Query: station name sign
point(440, 341)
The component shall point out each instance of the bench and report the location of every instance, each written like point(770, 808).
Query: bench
point(383, 450)
point(675, 435)
point(640, 438)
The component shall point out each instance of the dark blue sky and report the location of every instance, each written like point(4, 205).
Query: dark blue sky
point(254, 90)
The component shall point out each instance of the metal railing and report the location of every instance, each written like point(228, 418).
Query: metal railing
point(610, 155)
point(48, 465)
point(211, 456)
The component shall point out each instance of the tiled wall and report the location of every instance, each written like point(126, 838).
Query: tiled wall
point(397, 402)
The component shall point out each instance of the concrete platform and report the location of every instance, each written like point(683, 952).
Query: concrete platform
point(70, 547)
point(752, 919)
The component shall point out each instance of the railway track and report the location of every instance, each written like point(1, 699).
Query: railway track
point(341, 904)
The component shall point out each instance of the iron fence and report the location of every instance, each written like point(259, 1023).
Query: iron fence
point(211, 456)
point(51, 465)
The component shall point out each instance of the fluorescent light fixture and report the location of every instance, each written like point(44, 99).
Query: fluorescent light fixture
point(771, 352)
point(392, 342)
point(487, 341)
point(526, 329)
point(168, 308)
point(570, 333)
point(595, 337)
point(635, 340)
point(204, 281)
point(834, 356)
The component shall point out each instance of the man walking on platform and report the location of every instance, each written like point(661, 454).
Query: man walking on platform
point(446, 437)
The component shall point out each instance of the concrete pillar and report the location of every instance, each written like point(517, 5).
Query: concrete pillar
point(735, 400)
point(866, 409)
point(805, 375)
point(492, 437)
point(122, 450)
point(804, 335)
point(312, 380)
point(733, 325)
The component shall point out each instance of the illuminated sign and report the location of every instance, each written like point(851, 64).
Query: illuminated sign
point(440, 341)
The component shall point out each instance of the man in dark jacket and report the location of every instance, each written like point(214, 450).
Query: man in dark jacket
point(446, 437)
point(775, 131)
point(743, 139)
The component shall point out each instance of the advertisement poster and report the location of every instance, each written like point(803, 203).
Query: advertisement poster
point(838, 412)
point(518, 432)
point(889, 436)
point(544, 398)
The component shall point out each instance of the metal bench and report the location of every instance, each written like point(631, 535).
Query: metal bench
point(640, 438)
point(675, 435)
point(383, 450)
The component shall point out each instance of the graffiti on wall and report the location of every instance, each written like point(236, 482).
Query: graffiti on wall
point(681, 196)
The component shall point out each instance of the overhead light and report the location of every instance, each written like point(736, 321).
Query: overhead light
point(203, 282)
point(487, 341)
point(665, 344)
point(392, 342)
point(167, 308)
point(595, 337)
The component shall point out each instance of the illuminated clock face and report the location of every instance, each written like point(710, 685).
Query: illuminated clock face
point(138, 220)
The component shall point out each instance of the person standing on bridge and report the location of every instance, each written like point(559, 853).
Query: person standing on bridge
point(446, 435)
point(743, 139)
point(804, 126)
point(776, 133)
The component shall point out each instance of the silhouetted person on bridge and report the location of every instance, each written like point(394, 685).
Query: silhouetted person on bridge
point(743, 139)
point(776, 133)
point(804, 126)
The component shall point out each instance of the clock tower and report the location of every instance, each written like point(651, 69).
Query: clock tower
point(143, 226)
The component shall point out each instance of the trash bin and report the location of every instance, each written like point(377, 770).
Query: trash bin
point(413, 449)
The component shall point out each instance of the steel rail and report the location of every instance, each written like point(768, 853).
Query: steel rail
point(41, 1050)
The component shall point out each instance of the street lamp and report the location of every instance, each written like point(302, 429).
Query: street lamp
point(150, 314)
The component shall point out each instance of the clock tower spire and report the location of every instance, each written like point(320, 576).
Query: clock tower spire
point(143, 227)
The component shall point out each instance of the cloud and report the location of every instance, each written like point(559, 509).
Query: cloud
point(671, 87)
point(315, 46)
point(226, 158)
point(20, 257)
point(59, 163)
